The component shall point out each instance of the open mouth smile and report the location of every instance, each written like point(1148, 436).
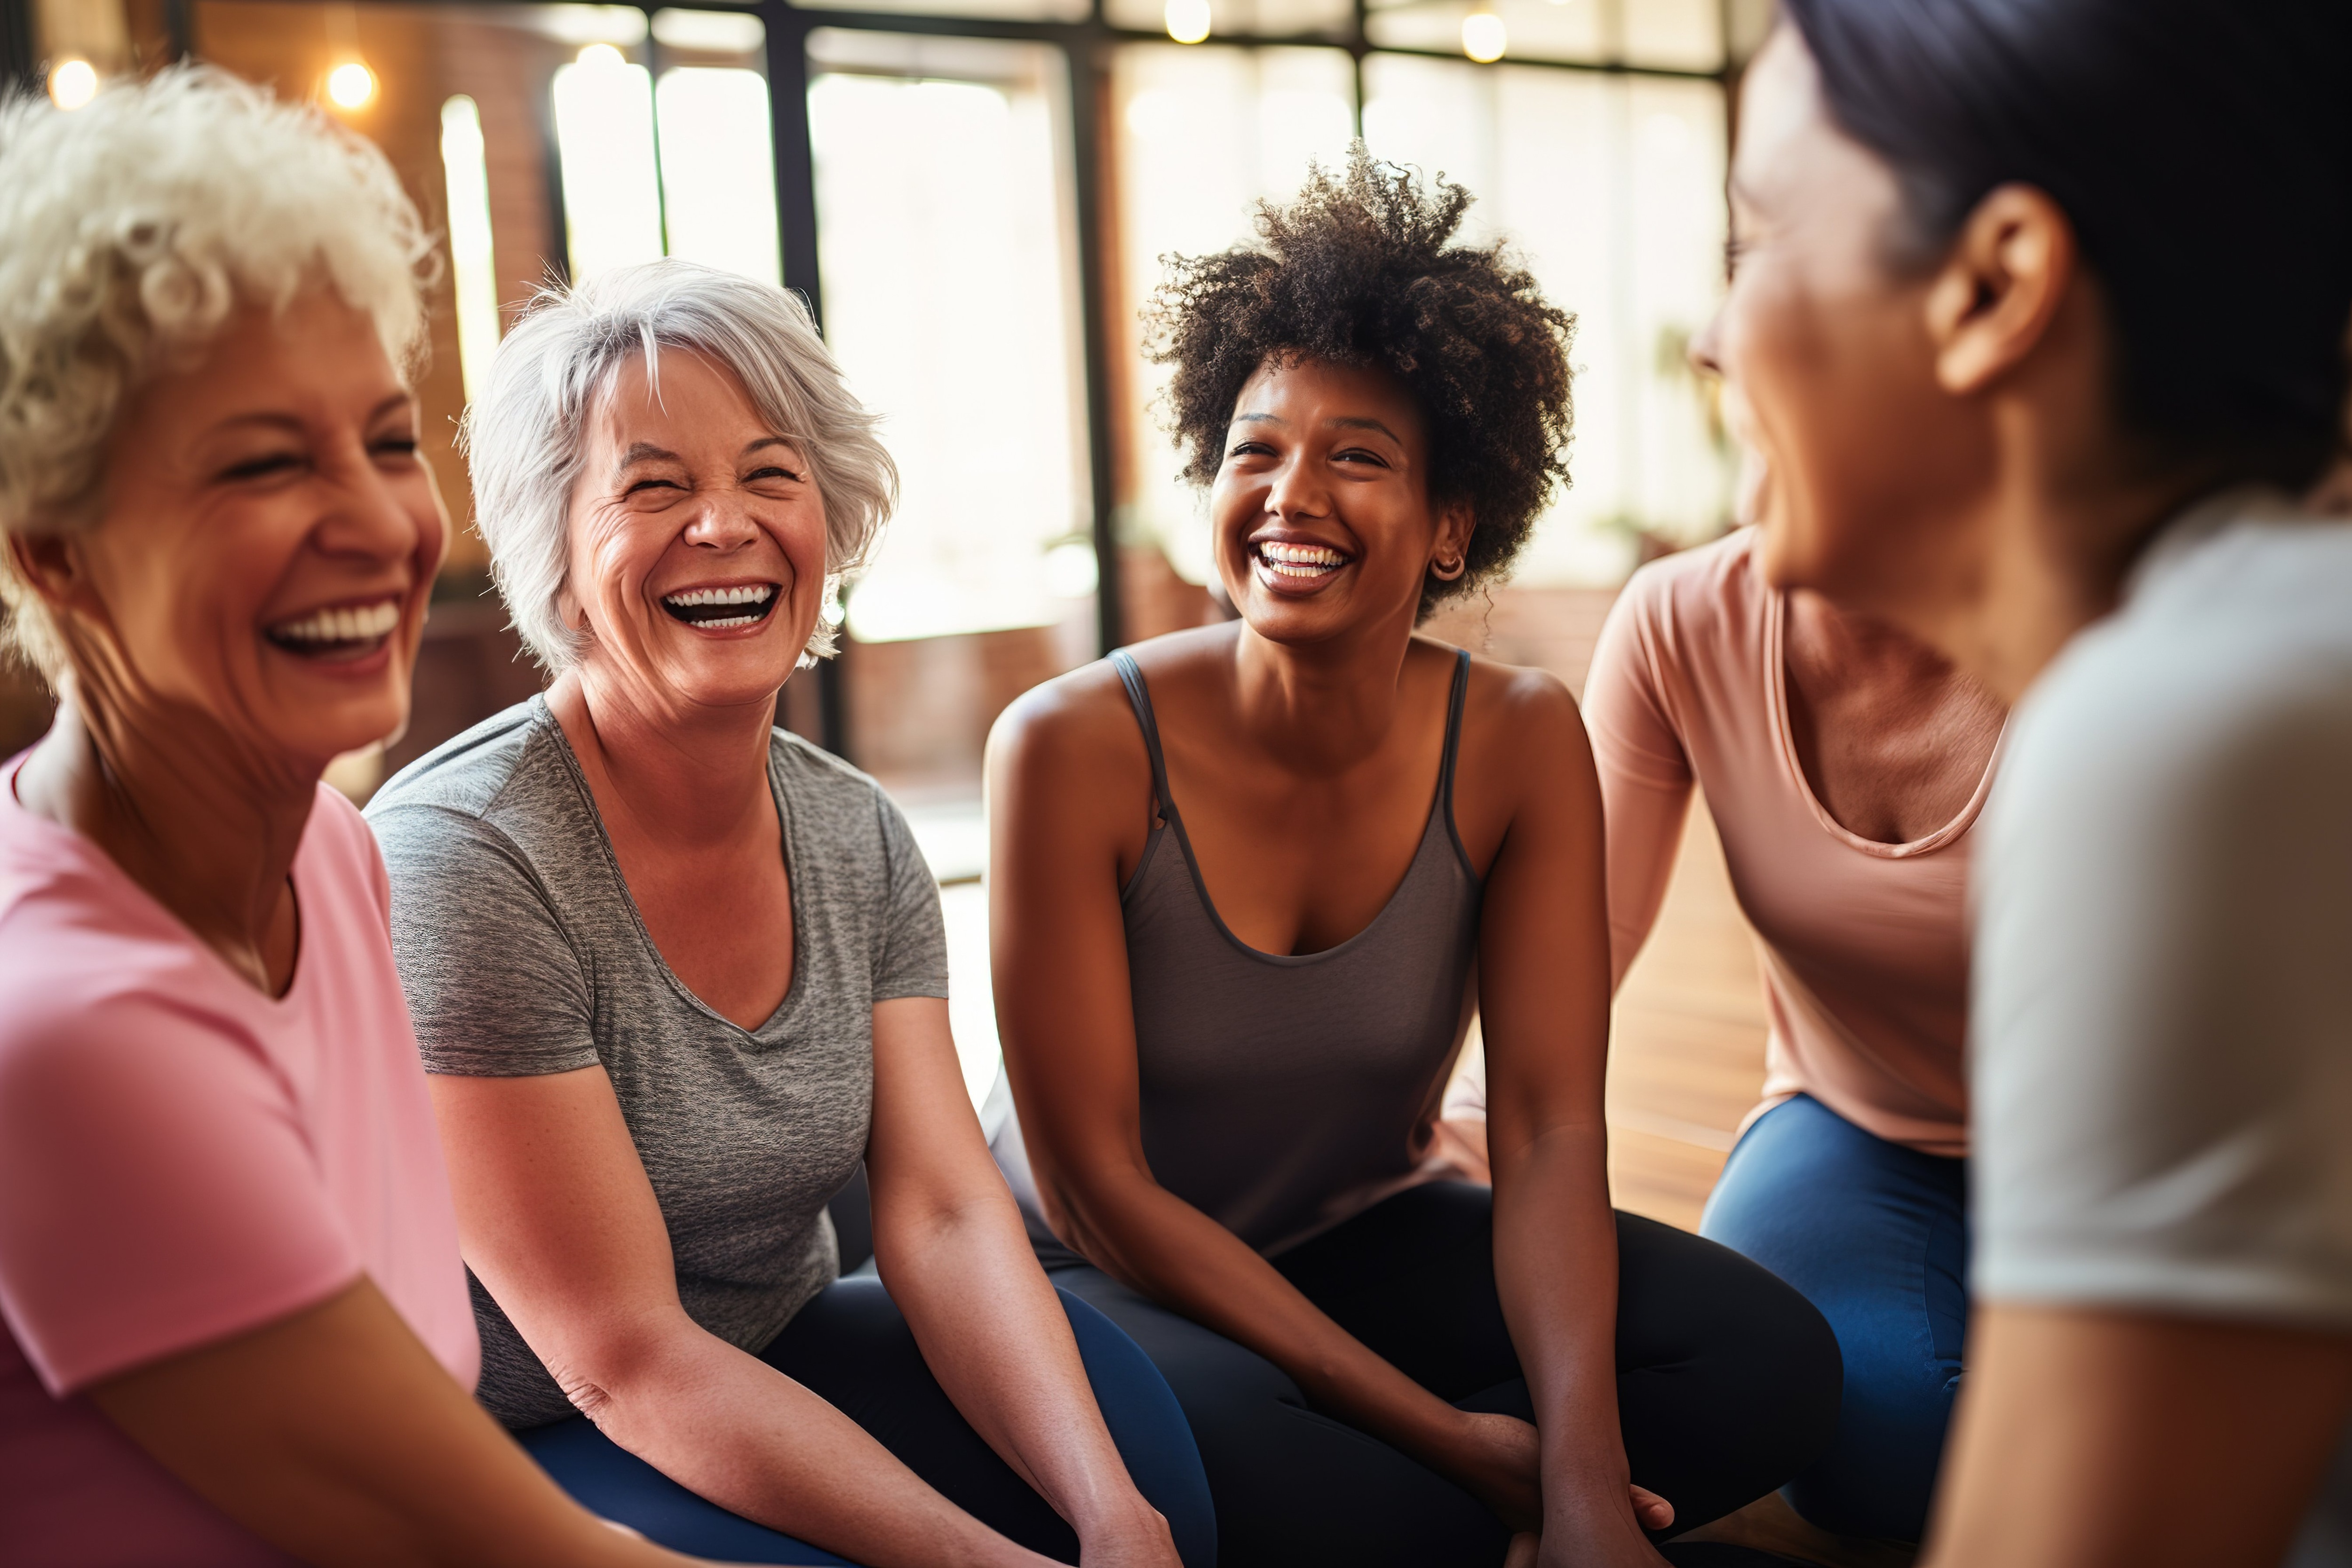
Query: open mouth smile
point(1281, 563)
point(337, 633)
point(723, 609)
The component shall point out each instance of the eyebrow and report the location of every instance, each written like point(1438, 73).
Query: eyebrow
point(278, 419)
point(1343, 421)
point(642, 451)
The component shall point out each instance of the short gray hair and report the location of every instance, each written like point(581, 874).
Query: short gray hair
point(130, 230)
point(526, 437)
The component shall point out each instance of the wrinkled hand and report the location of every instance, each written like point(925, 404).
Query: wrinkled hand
point(1142, 1541)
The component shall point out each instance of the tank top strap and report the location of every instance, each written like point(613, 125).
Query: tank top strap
point(1130, 675)
point(1454, 706)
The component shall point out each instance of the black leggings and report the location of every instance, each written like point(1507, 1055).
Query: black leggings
point(1728, 1383)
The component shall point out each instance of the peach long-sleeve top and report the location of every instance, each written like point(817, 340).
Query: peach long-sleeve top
point(1863, 945)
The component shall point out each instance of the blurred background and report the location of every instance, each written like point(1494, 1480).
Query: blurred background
point(975, 195)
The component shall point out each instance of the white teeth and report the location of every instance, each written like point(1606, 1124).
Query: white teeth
point(725, 621)
point(753, 594)
point(1298, 559)
point(360, 623)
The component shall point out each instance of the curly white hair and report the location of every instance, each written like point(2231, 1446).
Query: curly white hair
point(526, 435)
point(130, 230)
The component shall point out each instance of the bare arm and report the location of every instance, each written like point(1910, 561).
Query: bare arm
point(1069, 786)
point(335, 1434)
point(949, 1242)
point(1543, 967)
point(1644, 778)
point(2091, 1438)
point(557, 1218)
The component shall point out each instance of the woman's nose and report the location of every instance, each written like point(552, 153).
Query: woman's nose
point(721, 520)
point(1297, 492)
point(1703, 347)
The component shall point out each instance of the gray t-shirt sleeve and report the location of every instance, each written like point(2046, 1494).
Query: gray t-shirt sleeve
point(2162, 1046)
point(910, 955)
point(495, 985)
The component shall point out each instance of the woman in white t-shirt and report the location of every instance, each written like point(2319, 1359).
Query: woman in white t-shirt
point(2040, 307)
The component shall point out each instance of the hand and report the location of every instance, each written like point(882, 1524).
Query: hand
point(1140, 1540)
point(1602, 1536)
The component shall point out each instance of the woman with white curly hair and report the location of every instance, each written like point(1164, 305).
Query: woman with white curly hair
point(236, 1318)
point(677, 972)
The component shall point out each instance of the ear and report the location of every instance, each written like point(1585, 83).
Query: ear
point(1994, 299)
point(1456, 523)
point(54, 569)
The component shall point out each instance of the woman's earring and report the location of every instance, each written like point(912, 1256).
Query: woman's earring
point(1447, 571)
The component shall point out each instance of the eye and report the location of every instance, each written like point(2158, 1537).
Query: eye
point(262, 465)
point(772, 472)
point(394, 447)
point(1359, 454)
point(652, 483)
point(1250, 450)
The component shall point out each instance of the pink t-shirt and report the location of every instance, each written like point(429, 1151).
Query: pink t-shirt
point(1864, 945)
point(182, 1159)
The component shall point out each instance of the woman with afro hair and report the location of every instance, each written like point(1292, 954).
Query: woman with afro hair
point(1250, 883)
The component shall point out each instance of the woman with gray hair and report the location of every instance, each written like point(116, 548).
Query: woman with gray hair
point(233, 1321)
point(677, 972)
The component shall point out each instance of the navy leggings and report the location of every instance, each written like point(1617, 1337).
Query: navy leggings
point(1876, 1236)
point(1727, 1385)
point(852, 1347)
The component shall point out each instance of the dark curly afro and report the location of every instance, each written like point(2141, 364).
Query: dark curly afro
point(1359, 272)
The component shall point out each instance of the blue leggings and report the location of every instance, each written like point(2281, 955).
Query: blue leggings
point(851, 1346)
point(1875, 1235)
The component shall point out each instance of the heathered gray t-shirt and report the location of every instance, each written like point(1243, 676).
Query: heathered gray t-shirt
point(522, 953)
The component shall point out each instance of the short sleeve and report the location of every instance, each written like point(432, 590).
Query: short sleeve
point(911, 958)
point(496, 986)
point(2163, 1051)
point(158, 1191)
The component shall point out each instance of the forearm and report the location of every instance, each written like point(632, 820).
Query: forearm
point(1555, 1268)
point(729, 1427)
point(994, 1334)
point(335, 1434)
point(1161, 1246)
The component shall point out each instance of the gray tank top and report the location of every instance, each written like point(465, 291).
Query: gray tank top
point(1284, 1093)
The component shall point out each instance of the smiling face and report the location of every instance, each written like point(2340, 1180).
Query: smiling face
point(698, 542)
point(1321, 507)
point(267, 543)
point(1826, 347)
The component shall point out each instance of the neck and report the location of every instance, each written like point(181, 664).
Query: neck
point(674, 773)
point(1318, 708)
point(2040, 554)
point(207, 826)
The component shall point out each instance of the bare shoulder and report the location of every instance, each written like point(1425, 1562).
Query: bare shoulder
point(1515, 707)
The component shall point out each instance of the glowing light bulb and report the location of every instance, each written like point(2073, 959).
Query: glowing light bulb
point(603, 54)
point(1188, 20)
point(1483, 39)
point(350, 84)
point(72, 83)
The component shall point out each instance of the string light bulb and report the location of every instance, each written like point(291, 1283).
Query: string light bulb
point(1188, 20)
point(72, 83)
point(350, 84)
point(1484, 37)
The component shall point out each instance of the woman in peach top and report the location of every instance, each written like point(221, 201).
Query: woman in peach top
point(1844, 766)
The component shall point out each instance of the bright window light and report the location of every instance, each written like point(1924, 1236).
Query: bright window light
point(604, 135)
point(1484, 37)
point(718, 164)
point(350, 84)
point(465, 168)
point(949, 273)
point(72, 83)
point(1188, 20)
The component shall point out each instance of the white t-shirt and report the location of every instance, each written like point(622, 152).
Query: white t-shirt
point(2162, 1040)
